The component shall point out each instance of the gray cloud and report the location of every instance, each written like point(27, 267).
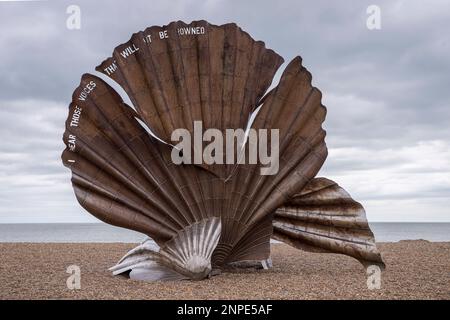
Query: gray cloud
point(385, 90)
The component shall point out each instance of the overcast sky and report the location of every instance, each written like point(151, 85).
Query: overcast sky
point(387, 92)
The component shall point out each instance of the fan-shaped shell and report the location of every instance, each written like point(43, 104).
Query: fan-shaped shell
point(175, 75)
point(323, 217)
point(186, 256)
point(180, 73)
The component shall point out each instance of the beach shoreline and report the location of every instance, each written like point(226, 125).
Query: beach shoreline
point(416, 269)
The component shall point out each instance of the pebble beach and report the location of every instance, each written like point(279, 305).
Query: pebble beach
point(415, 270)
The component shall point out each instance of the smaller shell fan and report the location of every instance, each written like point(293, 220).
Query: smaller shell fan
point(323, 217)
point(185, 256)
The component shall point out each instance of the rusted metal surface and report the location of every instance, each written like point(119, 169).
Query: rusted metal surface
point(217, 75)
point(323, 217)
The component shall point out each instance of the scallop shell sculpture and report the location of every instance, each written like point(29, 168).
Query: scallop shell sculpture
point(206, 216)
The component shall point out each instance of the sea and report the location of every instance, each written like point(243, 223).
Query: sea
point(100, 232)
